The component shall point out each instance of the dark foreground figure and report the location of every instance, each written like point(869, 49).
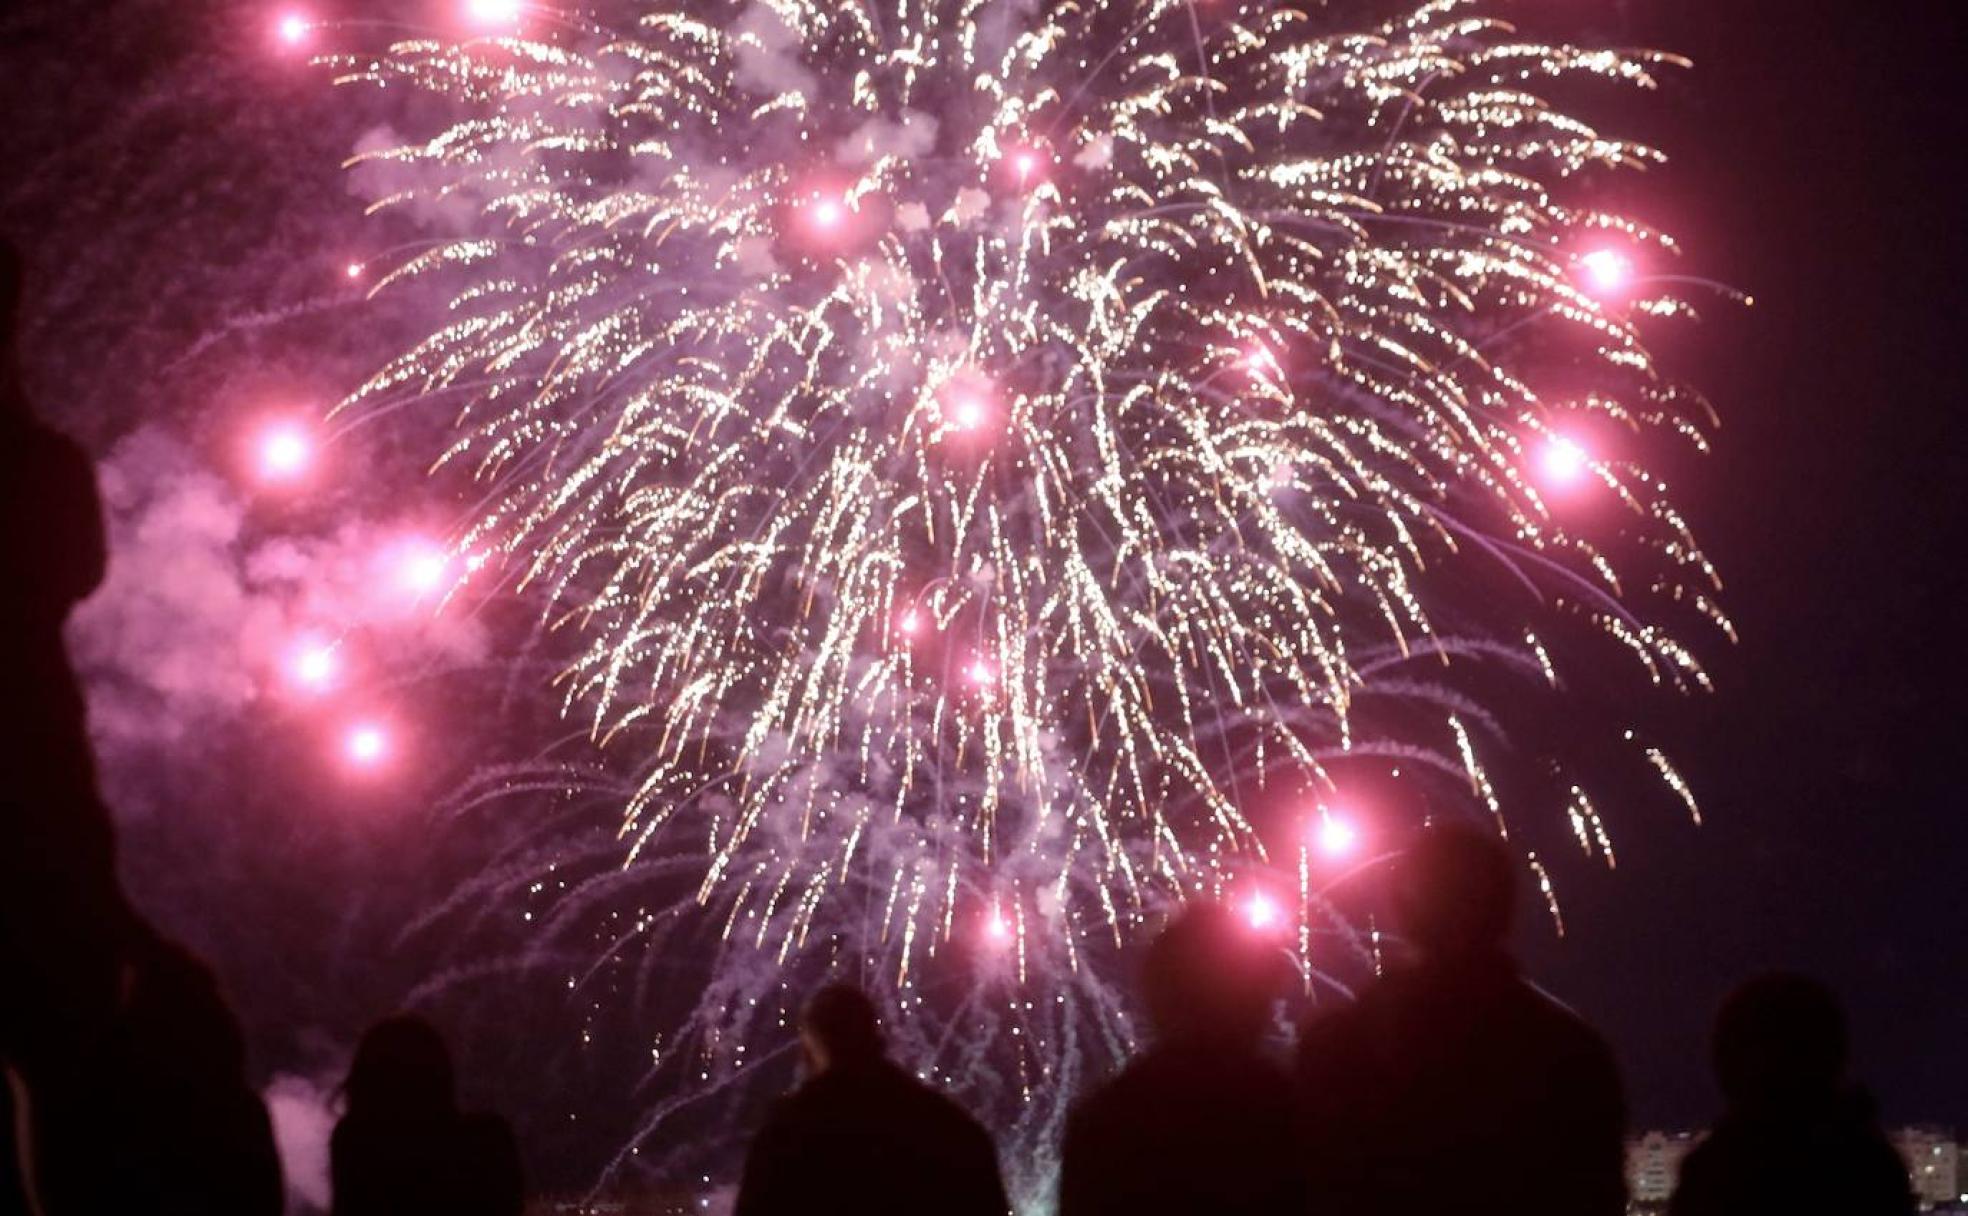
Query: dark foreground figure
point(1797, 1138)
point(1452, 1084)
point(1201, 1123)
point(404, 1148)
point(124, 1069)
point(861, 1137)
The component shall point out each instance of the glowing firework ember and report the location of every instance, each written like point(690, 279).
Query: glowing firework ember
point(366, 745)
point(313, 665)
point(493, 14)
point(711, 406)
point(1564, 460)
point(1607, 270)
point(1262, 911)
point(293, 29)
point(285, 452)
point(1336, 836)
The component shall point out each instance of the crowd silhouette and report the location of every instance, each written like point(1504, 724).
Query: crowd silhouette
point(1450, 1083)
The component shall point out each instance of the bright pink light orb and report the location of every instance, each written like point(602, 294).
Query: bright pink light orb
point(1564, 460)
point(826, 214)
point(314, 665)
point(1607, 269)
point(997, 929)
point(493, 13)
point(909, 624)
point(1336, 837)
point(293, 29)
point(981, 673)
point(1261, 911)
point(967, 412)
point(366, 744)
point(285, 452)
point(354, 270)
point(422, 568)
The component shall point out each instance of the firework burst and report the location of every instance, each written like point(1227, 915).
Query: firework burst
point(977, 447)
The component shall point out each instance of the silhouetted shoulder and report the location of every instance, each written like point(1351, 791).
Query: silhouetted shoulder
point(1787, 1166)
point(1183, 1130)
point(489, 1157)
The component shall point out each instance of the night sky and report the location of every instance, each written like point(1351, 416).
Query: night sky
point(1816, 153)
point(1813, 155)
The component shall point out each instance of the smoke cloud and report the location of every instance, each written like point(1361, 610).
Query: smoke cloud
point(303, 1115)
point(200, 617)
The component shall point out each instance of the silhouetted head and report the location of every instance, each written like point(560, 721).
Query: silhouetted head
point(839, 1026)
point(1454, 891)
point(1210, 976)
point(1780, 1039)
point(402, 1072)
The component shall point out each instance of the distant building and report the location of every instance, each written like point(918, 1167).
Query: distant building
point(1653, 1166)
point(1934, 1162)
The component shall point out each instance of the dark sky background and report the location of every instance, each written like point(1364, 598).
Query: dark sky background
point(1814, 151)
point(1816, 164)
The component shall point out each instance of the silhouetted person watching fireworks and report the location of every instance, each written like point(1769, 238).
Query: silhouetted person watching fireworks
point(125, 1069)
point(861, 1137)
point(1797, 1135)
point(1199, 1124)
point(403, 1146)
point(61, 915)
point(1451, 1083)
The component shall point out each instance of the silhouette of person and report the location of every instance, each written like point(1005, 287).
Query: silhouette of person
point(861, 1137)
point(1797, 1136)
point(124, 1066)
point(1451, 1081)
point(404, 1147)
point(1200, 1123)
point(62, 918)
point(153, 1113)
